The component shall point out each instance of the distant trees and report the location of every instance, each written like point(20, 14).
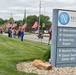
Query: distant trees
point(20, 22)
point(31, 19)
point(44, 20)
point(2, 21)
point(11, 20)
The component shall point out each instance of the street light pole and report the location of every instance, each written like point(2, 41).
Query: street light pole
point(39, 17)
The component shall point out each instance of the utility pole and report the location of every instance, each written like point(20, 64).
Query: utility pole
point(44, 10)
point(11, 15)
point(25, 13)
point(39, 17)
point(11, 18)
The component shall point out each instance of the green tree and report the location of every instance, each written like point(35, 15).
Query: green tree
point(20, 23)
point(5, 21)
point(1, 21)
point(24, 20)
point(11, 20)
point(30, 21)
point(46, 20)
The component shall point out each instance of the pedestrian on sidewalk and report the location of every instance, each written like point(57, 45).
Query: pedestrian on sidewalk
point(50, 35)
point(10, 32)
point(40, 35)
point(19, 32)
point(22, 34)
point(14, 33)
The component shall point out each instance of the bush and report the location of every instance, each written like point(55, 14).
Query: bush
point(47, 55)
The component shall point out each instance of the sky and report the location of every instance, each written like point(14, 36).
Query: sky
point(16, 8)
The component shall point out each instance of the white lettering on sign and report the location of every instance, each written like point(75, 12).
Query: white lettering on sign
point(66, 50)
point(65, 59)
point(66, 43)
point(74, 55)
point(65, 30)
point(70, 40)
point(68, 35)
point(72, 30)
point(65, 39)
point(72, 58)
point(65, 55)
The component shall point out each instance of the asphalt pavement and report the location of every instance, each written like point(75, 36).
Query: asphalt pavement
point(33, 37)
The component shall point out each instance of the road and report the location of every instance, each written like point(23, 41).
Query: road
point(33, 37)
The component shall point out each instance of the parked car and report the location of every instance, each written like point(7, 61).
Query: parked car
point(46, 31)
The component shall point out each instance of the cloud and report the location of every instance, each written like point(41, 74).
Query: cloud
point(17, 7)
point(65, 1)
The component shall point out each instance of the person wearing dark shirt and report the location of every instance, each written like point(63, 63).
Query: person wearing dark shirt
point(10, 32)
point(19, 31)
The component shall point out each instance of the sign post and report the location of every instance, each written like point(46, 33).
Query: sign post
point(63, 52)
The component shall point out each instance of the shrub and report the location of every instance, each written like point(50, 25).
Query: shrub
point(47, 55)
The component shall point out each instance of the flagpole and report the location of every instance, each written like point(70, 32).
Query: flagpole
point(39, 17)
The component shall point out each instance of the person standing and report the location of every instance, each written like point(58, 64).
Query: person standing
point(10, 32)
point(40, 35)
point(14, 33)
point(19, 32)
point(50, 37)
point(22, 34)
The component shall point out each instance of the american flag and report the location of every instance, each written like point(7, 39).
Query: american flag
point(0, 27)
point(9, 25)
point(14, 25)
point(24, 26)
point(35, 25)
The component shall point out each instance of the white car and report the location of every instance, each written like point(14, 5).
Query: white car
point(45, 31)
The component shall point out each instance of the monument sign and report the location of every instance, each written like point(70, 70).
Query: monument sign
point(63, 51)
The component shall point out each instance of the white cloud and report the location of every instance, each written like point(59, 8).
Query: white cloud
point(66, 1)
point(17, 7)
point(4, 11)
point(19, 15)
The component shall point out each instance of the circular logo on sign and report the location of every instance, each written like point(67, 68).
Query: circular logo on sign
point(64, 18)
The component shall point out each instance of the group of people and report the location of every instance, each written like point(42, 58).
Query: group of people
point(14, 33)
point(40, 36)
point(20, 34)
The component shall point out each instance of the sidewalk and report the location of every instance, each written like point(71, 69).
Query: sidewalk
point(33, 37)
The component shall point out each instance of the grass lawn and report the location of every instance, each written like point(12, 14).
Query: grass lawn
point(13, 51)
